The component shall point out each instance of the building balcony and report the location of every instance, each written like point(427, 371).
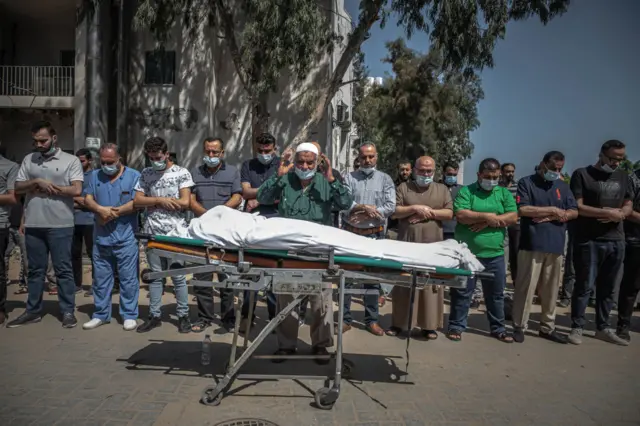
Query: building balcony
point(36, 87)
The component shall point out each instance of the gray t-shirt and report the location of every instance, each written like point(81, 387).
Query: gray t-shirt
point(50, 211)
point(8, 173)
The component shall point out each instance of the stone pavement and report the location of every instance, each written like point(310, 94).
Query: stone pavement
point(107, 376)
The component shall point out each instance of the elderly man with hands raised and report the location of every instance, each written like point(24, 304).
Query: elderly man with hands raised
point(307, 195)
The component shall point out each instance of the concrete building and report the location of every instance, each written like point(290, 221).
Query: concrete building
point(183, 93)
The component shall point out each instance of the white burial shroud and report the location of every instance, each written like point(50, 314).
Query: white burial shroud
point(234, 229)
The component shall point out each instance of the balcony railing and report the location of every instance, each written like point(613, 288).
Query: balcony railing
point(36, 81)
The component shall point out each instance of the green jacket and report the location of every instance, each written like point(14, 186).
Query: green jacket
point(313, 204)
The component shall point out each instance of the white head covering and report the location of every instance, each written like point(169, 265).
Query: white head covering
point(307, 147)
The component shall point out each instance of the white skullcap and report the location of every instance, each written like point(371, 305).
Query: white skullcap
point(307, 147)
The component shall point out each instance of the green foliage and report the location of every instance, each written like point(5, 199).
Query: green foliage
point(629, 166)
point(267, 38)
point(424, 109)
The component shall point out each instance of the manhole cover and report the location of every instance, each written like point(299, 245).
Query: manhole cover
point(247, 422)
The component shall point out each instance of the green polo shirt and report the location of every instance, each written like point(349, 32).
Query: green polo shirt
point(313, 203)
point(489, 242)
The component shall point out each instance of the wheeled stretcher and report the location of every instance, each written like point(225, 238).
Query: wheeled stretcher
point(295, 273)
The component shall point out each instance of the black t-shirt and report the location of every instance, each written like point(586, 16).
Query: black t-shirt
point(599, 189)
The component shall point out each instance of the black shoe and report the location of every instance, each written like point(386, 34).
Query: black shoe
point(624, 334)
point(475, 304)
point(78, 290)
point(89, 292)
point(564, 303)
point(69, 320)
point(554, 336)
point(24, 319)
point(184, 324)
point(283, 352)
point(149, 325)
point(321, 351)
point(518, 335)
point(228, 326)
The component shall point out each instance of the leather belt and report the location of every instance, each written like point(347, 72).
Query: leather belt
point(363, 231)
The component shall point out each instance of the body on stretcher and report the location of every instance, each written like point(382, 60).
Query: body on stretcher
point(286, 272)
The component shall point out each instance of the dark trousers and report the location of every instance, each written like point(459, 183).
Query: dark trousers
point(204, 300)
point(569, 279)
point(4, 241)
point(371, 310)
point(493, 290)
point(41, 242)
point(629, 287)
point(514, 245)
point(82, 234)
point(597, 265)
point(271, 305)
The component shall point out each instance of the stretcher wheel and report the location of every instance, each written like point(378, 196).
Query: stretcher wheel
point(210, 398)
point(325, 398)
point(144, 274)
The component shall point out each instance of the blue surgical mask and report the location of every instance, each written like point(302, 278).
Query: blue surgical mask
point(551, 176)
point(488, 184)
point(305, 174)
point(211, 161)
point(423, 180)
point(265, 158)
point(110, 170)
point(368, 170)
point(450, 180)
point(159, 166)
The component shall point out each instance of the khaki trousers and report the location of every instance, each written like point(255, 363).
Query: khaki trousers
point(428, 307)
point(544, 272)
point(321, 327)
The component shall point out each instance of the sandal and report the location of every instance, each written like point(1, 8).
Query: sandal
point(393, 331)
point(430, 334)
point(503, 337)
point(53, 291)
point(454, 336)
point(199, 326)
point(382, 301)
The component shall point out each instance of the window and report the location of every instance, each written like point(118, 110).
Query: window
point(160, 67)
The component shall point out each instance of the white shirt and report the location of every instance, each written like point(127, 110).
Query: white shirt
point(166, 184)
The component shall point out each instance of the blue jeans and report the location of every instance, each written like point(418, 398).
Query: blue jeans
point(40, 243)
point(493, 290)
point(106, 261)
point(371, 311)
point(157, 264)
point(597, 265)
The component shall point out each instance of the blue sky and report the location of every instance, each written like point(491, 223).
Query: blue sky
point(569, 86)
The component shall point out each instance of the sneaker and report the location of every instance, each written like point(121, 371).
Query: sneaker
point(608, 335)
point(69, 320)
point(518, 335)
point(149, 324)
point(554, 336)
point(93, 323)
point(575, 337)
point(24, 319)
point(624, 334)
point(130, 325)
point(564, 303)
point(184, 324)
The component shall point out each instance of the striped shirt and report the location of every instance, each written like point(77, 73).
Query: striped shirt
point(376, 189)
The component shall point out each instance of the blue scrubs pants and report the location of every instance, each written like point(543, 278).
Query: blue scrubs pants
point(106, 259)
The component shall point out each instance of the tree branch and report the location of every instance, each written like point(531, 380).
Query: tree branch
point(230, 34)
point(355, 80)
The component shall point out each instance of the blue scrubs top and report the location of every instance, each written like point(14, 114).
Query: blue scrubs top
point(115, 194)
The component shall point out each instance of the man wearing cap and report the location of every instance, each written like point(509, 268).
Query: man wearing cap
point(306, 195)
point(374, 196)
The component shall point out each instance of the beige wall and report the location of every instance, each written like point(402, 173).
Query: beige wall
point(208, 100)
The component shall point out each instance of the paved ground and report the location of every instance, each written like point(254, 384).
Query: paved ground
point(107, 376)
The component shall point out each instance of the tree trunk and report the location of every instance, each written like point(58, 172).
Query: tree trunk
point(259, 120)
point(330, 88)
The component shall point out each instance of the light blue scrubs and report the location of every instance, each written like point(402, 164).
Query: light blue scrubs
point(115, 246)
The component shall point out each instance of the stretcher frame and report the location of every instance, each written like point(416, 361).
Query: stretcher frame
point(311, 273)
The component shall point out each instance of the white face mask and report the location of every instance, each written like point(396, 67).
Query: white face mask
point(368, 170)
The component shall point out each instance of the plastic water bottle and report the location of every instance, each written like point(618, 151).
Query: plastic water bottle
point(205, 357)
